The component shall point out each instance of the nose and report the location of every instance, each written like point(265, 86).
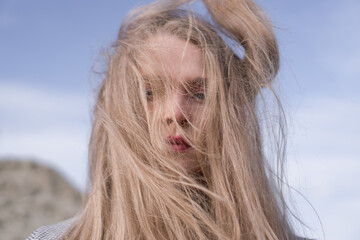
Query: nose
point(176, 110)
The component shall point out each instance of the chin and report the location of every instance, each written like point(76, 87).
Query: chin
point(190, 165)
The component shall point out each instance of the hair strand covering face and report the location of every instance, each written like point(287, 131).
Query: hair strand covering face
point(137, 191)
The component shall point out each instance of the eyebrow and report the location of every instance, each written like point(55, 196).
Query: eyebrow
point(200, 81)
point(195, 83)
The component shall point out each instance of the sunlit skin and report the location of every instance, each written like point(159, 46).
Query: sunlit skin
point(183, 65)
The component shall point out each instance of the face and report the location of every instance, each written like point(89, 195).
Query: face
point(182, 106)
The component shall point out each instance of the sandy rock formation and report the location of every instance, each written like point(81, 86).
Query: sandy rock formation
point(31, 196)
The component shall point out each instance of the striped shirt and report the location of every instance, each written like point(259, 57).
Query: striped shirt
point(52, 232)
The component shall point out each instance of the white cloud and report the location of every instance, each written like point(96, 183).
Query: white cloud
point(19, 100)
point(324, 164)
point(50, 126)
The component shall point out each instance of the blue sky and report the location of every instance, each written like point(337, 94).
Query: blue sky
point(48, 50)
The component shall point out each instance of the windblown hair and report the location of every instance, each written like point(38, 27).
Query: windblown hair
point(138, 191)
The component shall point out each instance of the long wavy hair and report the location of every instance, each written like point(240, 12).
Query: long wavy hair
point(138, 190)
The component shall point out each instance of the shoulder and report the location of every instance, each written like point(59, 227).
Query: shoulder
point(52, 232)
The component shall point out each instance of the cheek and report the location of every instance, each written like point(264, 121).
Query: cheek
point(150, 108)
point(196, 113)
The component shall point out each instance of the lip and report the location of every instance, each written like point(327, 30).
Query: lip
point(178, 143)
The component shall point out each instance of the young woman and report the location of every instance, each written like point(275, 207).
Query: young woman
point(176, 150)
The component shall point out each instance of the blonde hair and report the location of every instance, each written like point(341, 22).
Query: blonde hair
point(138, 191)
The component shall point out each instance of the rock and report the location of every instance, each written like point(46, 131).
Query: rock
point(32, 195)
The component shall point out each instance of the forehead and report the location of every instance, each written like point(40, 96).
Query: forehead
point(177, 59)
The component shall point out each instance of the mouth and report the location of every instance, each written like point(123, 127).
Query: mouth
point(178, 143)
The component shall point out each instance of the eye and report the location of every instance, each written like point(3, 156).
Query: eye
point(200, 96)
point(149, 94)
point(196, 89)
